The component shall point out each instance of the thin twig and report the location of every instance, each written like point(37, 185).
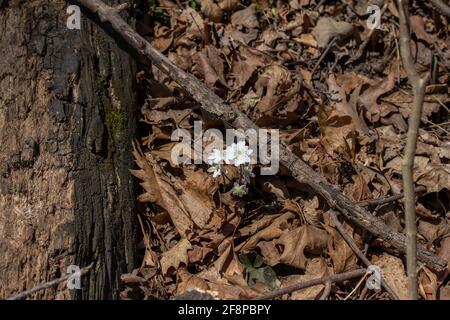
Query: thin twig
point(310, 283)
point(363, 293)
point(379, 202)
point(441, 103)
point(418, 85)
point(357, 286)
point(358, 252)
point(326, 291)
point(325, 52)
point(43, 286)
point(439, 126)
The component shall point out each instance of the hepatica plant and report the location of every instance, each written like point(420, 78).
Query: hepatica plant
point(238, 155)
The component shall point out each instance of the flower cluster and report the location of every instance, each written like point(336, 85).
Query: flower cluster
point(238, 155)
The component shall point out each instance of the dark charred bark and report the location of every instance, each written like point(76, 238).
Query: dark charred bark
point(67, 117)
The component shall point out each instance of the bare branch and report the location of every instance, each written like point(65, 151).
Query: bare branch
point(43, 286)
point(379, 202)
point(418, 85)
point(310, 283)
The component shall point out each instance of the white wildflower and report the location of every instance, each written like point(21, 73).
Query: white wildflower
point(238, 153)
point(239, 190)
point(215, 170)
point(217, 156)
point(247, 174)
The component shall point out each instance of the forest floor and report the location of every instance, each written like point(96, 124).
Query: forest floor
point(340, 98)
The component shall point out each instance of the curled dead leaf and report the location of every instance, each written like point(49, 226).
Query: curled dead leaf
point(342, 255)
point(228, 263)
point(187, 201)
point(211, 10)
point(431, 231)
point(246, 17)
point(269, 252)
point(272, 82)
point(313, 215)
point(316, 268)
point(163, 39)
point(227, 288)
point(418, 27)
point(197, 195)
point(342, 106)
point(369, 98)
point(428, 284)
point(274, 230)
point(175, 256)
point(212, 66)
point(328, 28)
point(194, 22)
point(434, 177)
point(301, 240)
point(338, 132)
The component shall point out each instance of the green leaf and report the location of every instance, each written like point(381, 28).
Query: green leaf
point(259, 261)
point(193, 4)
point(265, 275)
point(255, 271)
point(245, 260)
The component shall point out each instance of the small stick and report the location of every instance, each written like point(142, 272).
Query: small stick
point(325, 52)
point(395, 197)
point(356, 287)
point(326, 291)
point(363, 293)
point(43, 286)
point(358, 252)
point(314, 282)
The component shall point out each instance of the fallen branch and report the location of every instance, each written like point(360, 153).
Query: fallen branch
point(358, 252)
point(314, 282)
point(440, 6)
point(324, 53)
point(214, 105)
point(418, 85)
point(43, 286)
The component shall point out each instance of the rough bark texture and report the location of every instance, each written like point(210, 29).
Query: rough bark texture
point(67, 117)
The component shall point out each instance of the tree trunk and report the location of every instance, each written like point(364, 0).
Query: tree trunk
point(67, 117)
